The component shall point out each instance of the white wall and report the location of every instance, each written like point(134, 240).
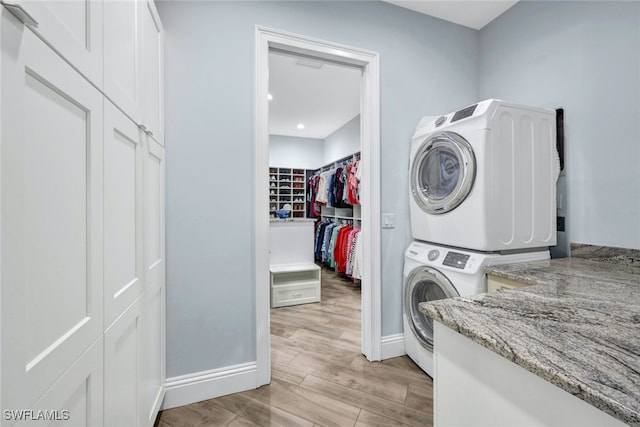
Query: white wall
point(343, 142)
point(312, 153)
point(295, 152)
point(428, 66)
point(585, 57)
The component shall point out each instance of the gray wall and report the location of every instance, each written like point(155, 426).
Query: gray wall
point(585, 57)
point(343, 142)
point(428, 66)
point(294, 152)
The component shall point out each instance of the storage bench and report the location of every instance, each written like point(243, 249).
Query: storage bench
point(293, 284)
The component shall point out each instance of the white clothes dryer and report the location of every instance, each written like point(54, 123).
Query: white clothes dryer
point(433, 272)
point(484, 178)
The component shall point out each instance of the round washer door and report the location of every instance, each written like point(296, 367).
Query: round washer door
point(425, 284)
point(442, 172)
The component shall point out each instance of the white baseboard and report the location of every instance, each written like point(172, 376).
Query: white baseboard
point(186, 389)
point(191, 388)
point(392, 346)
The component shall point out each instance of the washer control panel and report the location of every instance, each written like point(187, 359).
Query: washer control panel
point(433, 254)
point(456, 260)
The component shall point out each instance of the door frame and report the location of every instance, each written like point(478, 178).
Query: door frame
point(368, 61)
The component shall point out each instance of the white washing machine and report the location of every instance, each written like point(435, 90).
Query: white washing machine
point(433, 272)
point(484, 177)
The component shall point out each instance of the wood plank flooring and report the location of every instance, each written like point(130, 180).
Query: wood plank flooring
point(319, 376)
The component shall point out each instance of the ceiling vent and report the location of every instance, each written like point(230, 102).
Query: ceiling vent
point(311, 63)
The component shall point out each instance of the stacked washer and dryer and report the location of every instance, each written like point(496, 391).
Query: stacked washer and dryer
point(483, 192)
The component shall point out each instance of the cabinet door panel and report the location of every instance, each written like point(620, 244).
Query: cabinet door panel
point(122, 369)
point(74, 29)
point(154, 293)
point(121, 55)
point(76, 398)
point(153, 353)
point(154, 214)
point(152, 68)
point(51, 215)
point(123, 180)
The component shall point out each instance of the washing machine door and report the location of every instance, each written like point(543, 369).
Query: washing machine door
point(425, 284)
point(442, 172)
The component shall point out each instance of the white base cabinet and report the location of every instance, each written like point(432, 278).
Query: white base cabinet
point(152, 384)
point(76, 399)
point(122, 368)
point(476, 387)
point(82, 256)
point(153, 378)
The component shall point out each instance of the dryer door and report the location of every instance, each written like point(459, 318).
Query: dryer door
point(442, 172)
point(425, 284)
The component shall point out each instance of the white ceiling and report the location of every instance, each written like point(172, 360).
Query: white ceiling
point(325, 98)
point(470, 13)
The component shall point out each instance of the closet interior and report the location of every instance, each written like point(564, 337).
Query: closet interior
point(314, 154)
point(335, 198)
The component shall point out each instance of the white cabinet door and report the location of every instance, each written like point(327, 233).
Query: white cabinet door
point(122, 363)
point(152, 70)
point(154, 293)
point(122, 47)
point(75, 400)
point(154, 215)
point(123, 230)
point(50, 213)
point(73, 28)
point(153, 353)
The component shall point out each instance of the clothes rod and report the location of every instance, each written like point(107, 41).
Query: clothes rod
point(332, 164)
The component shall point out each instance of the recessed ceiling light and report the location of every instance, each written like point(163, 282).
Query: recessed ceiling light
point(300, 126)
point(269, 96)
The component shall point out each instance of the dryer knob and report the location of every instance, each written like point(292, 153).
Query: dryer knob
point(433, 254)
point(440, 120)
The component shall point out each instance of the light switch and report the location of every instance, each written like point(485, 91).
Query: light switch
point(388, 220)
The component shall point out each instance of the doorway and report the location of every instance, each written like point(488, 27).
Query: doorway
point(267, 39)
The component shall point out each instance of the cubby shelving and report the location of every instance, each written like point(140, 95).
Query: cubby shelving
point(288, 186)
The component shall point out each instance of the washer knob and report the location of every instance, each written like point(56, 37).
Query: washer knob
point(433, 254)
point(440, 120)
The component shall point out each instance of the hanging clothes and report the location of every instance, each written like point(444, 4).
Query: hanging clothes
point(312, 191)
point(322, 195)
point(356, 272)
point(354, 184)
point(327, 241)
point(336, 187)
point(340, 251)
point(351, 241)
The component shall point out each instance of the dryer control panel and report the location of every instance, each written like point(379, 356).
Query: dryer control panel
point(456, 260)
point(464, 113)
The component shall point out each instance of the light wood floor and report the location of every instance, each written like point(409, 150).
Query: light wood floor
point(319, 376)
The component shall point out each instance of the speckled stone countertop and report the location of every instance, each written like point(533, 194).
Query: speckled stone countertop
point(577, 327)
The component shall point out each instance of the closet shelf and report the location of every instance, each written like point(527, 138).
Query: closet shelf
point(288, 186)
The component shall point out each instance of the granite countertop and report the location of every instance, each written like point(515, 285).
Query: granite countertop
point(577, 326)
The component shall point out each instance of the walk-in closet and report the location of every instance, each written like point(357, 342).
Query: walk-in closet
point(314, 206)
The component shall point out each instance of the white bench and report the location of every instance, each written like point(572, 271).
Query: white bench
point(293, 284)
